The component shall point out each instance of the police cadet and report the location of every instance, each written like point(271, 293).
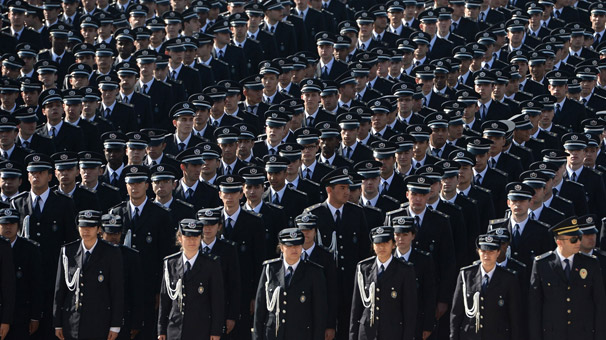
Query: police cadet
point(191, 297)
point(89, 290)
point(246, 229)
point(145, 229)
point(566, 299)
point(404, 233)
point(342, 229)
point(486, 303)
point(588, 242)
point(66, 171)
point(384, 303)
point(291, 295)
point(90, 169)
point(28, 273)
point(48, 218)
point(190, 188)
point(133, 278)
point(320, 255)
point(278, 193)
point(212, 243)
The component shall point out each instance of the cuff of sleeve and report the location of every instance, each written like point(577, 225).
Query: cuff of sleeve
point(114, 329)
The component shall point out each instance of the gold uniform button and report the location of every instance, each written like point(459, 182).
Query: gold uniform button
point(567, 299)
point(569, 322)
point(569, 311)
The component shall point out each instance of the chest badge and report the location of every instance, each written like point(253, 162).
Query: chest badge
point(583, 273)
point(200, 289)
point(394, 294)
point(148, 239)
point(100, 278)
point(302, 298)
point(501, 302)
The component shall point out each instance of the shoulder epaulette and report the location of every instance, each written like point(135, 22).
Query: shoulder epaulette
point(476, 262)
point(393, 212)
point(274, 206)
point(470, 266)
point(57, 192)
point(119, 205)
point(211, 256)
point(92, 191)
point(581, 185)
point(539, 140)
point(391, 199)
point(369, 207)
point(557, 211)
point(308, 209)
point(441, 214)
point(299, 191)
point(72, 242)
point(171, 156)
point(369, 259)
point(551, 133)
point(184, 203)
point(165, 83)
point(145, 95)
point(458, 207)
point(543, 224)
point(512, 271)
point(315, 264)
point(523, 265)
point(128, 249)
point(543, 256)
point(595, 171)
point(230, 242)
point(470, 199)
point(253, 213)
point(481, 188)
point(561, 127)
point(564, 199)
point(501, 172)
point(221, 61)
point(25, 193)
point(514, 156)
point(172, 256)
point(525, 148)
point(311, 182)
point(272, 261)
point(591, 256)
point(423, 252)
point(402, 261)
point(160, 205)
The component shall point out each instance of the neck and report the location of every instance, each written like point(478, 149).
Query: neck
point(404, 249)
point(449, 194)
point(334, 202)
point(88, 244)
point(90, 184)
point(308, 244)
point(488, 266)
point(463, 186)
point(208, 177)
point(67, 187)
point(208, 239)
point(188, 181)
point(164, 199)
point(190, 253)
point(137, 201)
point(230, 210)
point(520, 218)
point(384, 258)
point(39, 191)
point(253, 204)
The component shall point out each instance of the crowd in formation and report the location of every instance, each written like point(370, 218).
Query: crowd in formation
point(302, 169)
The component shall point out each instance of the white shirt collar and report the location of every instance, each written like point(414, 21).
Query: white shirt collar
point(294, 266)
point(562, 258)
point(404, 256)
point(43, 198)
point(140, 206)
point(191, 261)
point(91, 249)
point(211, 245)
point(490, 273)
point(385, 264)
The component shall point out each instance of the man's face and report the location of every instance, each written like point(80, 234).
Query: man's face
point(598, 21)
point(73, 111)
point(419, 149)
point(349, 136)
point(387, 166)
point(339, 193)
point(564, 242)
point(39, 179)
point(109, 96)
point(558, 91)
point(114, 156)
point(588, 241)
point(191, 171)
point(210, 166)
point(329, 145)
point(438, 137)
point(10, 185)
point(53, 111)
point(104, 62)
point(277, 179)
point(330, 101)
point(311, 101)
point(127, 82)
point(125, 47)
point(378, 121)
point(184, 124)
point(370, 186)
point(455, 131)
point(244, 148)
point(270, 82)
point(275, 134)
point(497, 145)
point(326, 51)
point(519, 208)
point(404, 158)
point(429, 27)
point(228, 152)
point(135, 156)
point(253, 193)
point(90, 175)
point(576, 157)
point(418, 201)
point(9, 230)
point(537, 71)
point(484, 90)
point(67, 176)
point(591, 153)
point(7, 138)
point(17, 19)
point(163, 188)
point(137, 191)
point(515, 38)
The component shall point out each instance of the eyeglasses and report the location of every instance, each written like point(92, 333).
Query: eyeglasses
point(573, 239)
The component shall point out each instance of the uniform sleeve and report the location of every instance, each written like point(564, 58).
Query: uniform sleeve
point(330, 273)
point(356, 310)
point(447, 267)
point(429, 294)
point(234, 281)
point(60, 292)
point(457, 310)
point(217, 299)
point(69, 220)
point(320, 308)
point(37, 278)
point(599, 302)
point(258, 248)
point(117, 287)
point(164, 308)
point(136, 282)
point(535, 304)
point(410, 308)
point(260, 309)
point(8, 284)
point(515, 306)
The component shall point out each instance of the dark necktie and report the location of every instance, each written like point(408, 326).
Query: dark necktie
point(276, 199)
point(114, 180)
point(337, 217)
point(555, 191)
point(86, 258)
point(478, 179)
point(567, 268)
point(272, 151)
point(325, 72)
point(288, 276)
point(573, 177)
point(190, 195)
point(37, 210)
point(381, 271)
point(305, 256)
point(187, 268)
point(53, 132)
point(273, 29)
point(144, 89)
point(125, 101)
point(310, 121)
point(181, 146)
point(533, 216)
point(348, 152)
point(206, 250)
point(558, 110)
point(417, 222)
point(228, 170)
point(435, 152)
point(493, 163)
point(378, 37)
point(26, 144)
point(107, 112)
point(485, 283)
point(136, 217)
point(385, 187)
point(307, 173)
point(228, 226)
point(516, 235)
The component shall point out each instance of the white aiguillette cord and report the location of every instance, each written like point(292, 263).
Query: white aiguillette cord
point(74, 283)
point(367, 300)
point(333, 245)
point(273, 302)
point(474, 311)
point(176, 293)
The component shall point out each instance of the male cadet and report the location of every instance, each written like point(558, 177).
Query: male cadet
point(133, 277)
point(310, 93)
point(498, 229)
point(190, 188)
point(145, 229)
point(246, 229)
point(65, 137)
point(575, 145)
point(587, 225)
point(566, 299)
point(350, 148)
point(202, 128)
point(343, 229)
point(550, 199)
point(564, 187)
point(141, 103)
point(275, 130)
point(155, 148)
point(392, 183)
point(311, 169)
point(91, 101)
point(420, 156)
point(183, 121)
point(160, 93)
point(273, 215)
point(11, 181)
point(89, 290)
point(506, 162)
point(433, 174)
point(370, 171)
point(484, 176)
point(50, 222)
point(227, 139)
point(434, 235)
point(270, 71)
point(315, 253)
point(72, 106)
point(292, 200)
point(438, 122)
point(28, 273)
point(212, 161)
point(8, 134)
point(136, 144)
point(469, 206)
point(529, 237)
point(66, 171)
point(27, 137)
point(404, 234)
point(329, 142)
point(404, 144)
point(122, 115)
point(114, 149)
point(186, 75)
point(292, 152)
point(90, 169)
point(538, 211)
point(163, 179)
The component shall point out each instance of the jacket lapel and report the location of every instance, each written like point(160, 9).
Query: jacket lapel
point(94, 256)
point(476, 286)
point(556, 265)
point(298, 274)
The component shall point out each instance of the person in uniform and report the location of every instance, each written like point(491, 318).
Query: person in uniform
point(28, 273)
point(291, 295)
point(89, 291)
point(227, 252)
point(7, 282)
point(384, 303)
point(133, 278)
point(486, 303)
point(47, 217)
point(566, 299)
point(191, 295)
point(588, 242)
point(404, 234)
point(320, 255)
point(66, 171)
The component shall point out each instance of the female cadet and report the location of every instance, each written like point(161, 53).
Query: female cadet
point(291, 297)
point(191, 297)
point(486, 302)
point(384, 304)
